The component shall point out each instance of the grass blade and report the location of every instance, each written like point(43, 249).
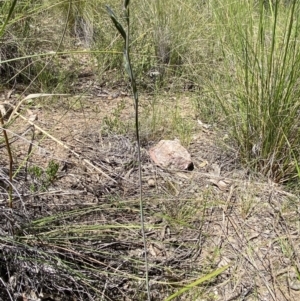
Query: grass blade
point(117, 24)
point(197, 282)
point(11, 10)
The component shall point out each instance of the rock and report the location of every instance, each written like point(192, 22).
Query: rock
point(171, 154)
point(151, 183)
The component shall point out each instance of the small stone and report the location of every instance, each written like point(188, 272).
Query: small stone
point(151, 183)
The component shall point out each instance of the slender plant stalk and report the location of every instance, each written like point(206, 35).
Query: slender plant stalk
point(10, 204)
point(10, 161)
point(129, 71)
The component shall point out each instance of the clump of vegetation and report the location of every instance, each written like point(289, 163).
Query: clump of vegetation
point(258, 88)
point(42, 179)
point(29, 46)
point(113, 122)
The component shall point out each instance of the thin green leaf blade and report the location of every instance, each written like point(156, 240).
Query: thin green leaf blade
point(11, 10)
point(127, 65)
point(197, 282)
point(116, 22)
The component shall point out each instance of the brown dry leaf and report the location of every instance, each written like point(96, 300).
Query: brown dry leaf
point(203, 164)
point(9, 93)
point(223, 185)
point(5, 109)
point(13, 281)
point(2, 110)
point(33, 296)
point(33, 117)
point(152, 251)
point(293, 281)
point(165, 232)
point(203, 125)
point(126, 177)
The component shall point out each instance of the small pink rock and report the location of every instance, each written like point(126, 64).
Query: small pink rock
point(170, 153)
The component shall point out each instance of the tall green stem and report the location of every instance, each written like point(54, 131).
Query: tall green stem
point(128, 68)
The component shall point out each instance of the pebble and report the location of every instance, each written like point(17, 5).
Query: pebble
point(151, 183)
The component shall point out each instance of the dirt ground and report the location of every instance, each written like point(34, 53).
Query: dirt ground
point(79, 238)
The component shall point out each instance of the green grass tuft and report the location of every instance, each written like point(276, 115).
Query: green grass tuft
point(258, 87)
